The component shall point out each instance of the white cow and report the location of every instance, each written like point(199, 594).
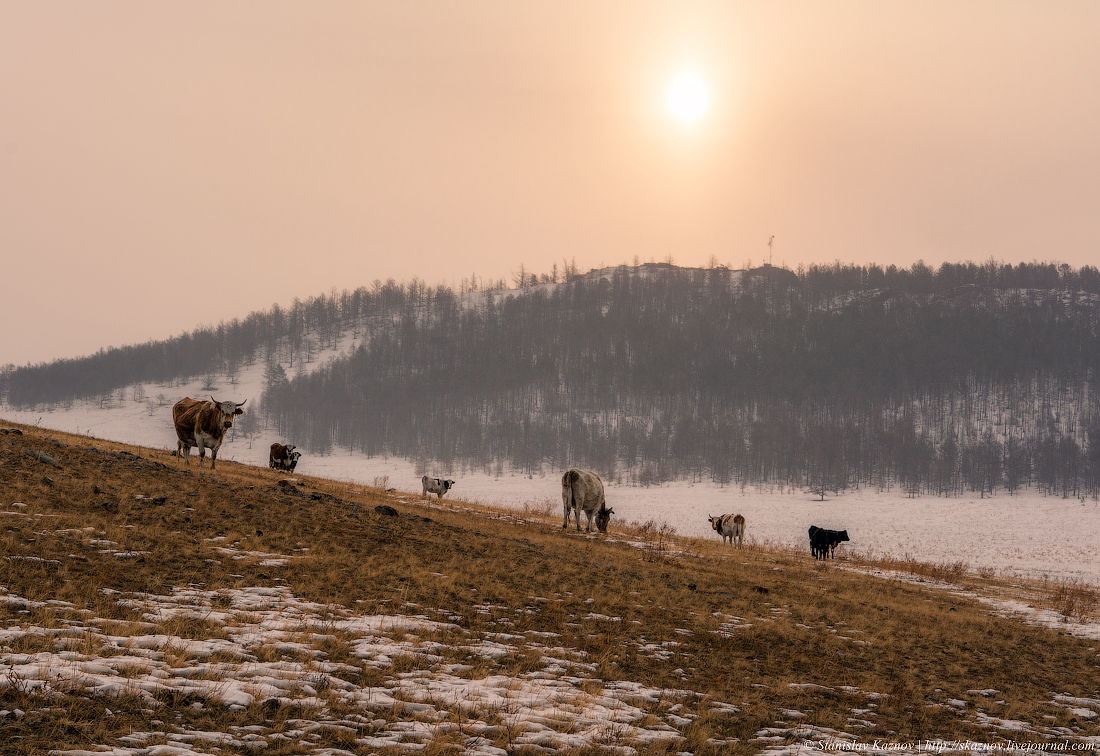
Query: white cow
point(582, 490)
point(436, 486)
point(729, 526)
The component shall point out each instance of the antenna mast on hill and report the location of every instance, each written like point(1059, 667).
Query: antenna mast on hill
point(770, 240)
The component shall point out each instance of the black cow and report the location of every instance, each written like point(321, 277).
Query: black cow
point(823, 542)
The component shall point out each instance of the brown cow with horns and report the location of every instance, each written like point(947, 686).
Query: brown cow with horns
point(203, 424)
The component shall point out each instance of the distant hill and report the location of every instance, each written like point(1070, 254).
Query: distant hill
point(965, 377)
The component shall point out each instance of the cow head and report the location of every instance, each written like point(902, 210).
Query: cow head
point(715, 522)
point(229, 409)
point(603, 517)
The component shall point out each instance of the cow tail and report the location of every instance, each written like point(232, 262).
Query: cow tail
point(569, 481)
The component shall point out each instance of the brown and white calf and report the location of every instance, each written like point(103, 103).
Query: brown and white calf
point(279, 458)
point(729, 526)
point(203, 424)
point(582, 491)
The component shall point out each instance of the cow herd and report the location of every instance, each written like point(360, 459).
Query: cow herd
point(203, 424)
point(283, 457)
point(823, 542)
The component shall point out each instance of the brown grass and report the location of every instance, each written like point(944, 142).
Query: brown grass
point(948, 572)
point(1074, 600)
point(517, 573)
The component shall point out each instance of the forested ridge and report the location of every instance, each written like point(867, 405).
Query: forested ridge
point(966, 377)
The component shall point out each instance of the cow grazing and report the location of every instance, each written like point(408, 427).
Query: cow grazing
point(582, 490)
point(603, 517)
point(279, 459)
point(438, 486)
point(729, 526)
point(203, 424)
point(823, 542)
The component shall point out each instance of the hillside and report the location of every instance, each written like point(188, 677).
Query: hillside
point(151, 609)
point(966, 378)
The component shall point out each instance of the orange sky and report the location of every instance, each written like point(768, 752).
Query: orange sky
point(165, 165)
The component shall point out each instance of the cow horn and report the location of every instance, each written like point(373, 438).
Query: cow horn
point(241, 404)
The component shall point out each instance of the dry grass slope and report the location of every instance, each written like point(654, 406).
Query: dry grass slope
point(785, 640)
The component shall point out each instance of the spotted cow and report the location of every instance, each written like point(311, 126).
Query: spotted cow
point(729, 526)
point(437, 486)
point(279, 458)
point(203, 424)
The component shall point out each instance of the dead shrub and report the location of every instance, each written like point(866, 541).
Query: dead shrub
point(1074, 600)
point(949, 572)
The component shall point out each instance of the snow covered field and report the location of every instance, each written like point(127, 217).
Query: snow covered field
point(1026, 534)
point(269, 653)
point(551, 708)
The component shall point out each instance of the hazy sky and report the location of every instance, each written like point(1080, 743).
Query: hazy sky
point(165, 165)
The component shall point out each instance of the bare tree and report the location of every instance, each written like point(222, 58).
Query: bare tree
point(249, 426)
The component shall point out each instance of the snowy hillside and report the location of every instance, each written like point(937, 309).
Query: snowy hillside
point(1023, 533)
point(1026, 533)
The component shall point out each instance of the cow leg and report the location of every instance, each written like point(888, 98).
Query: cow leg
point(213, 459)
point(588, 529)
point(565, 521)
point(184, 451)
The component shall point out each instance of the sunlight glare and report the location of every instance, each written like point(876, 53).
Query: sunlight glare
point(688, 98)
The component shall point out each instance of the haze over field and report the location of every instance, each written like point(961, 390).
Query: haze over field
point(1058, 541)
point(277, 150)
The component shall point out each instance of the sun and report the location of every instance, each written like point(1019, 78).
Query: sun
point(688, 98)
